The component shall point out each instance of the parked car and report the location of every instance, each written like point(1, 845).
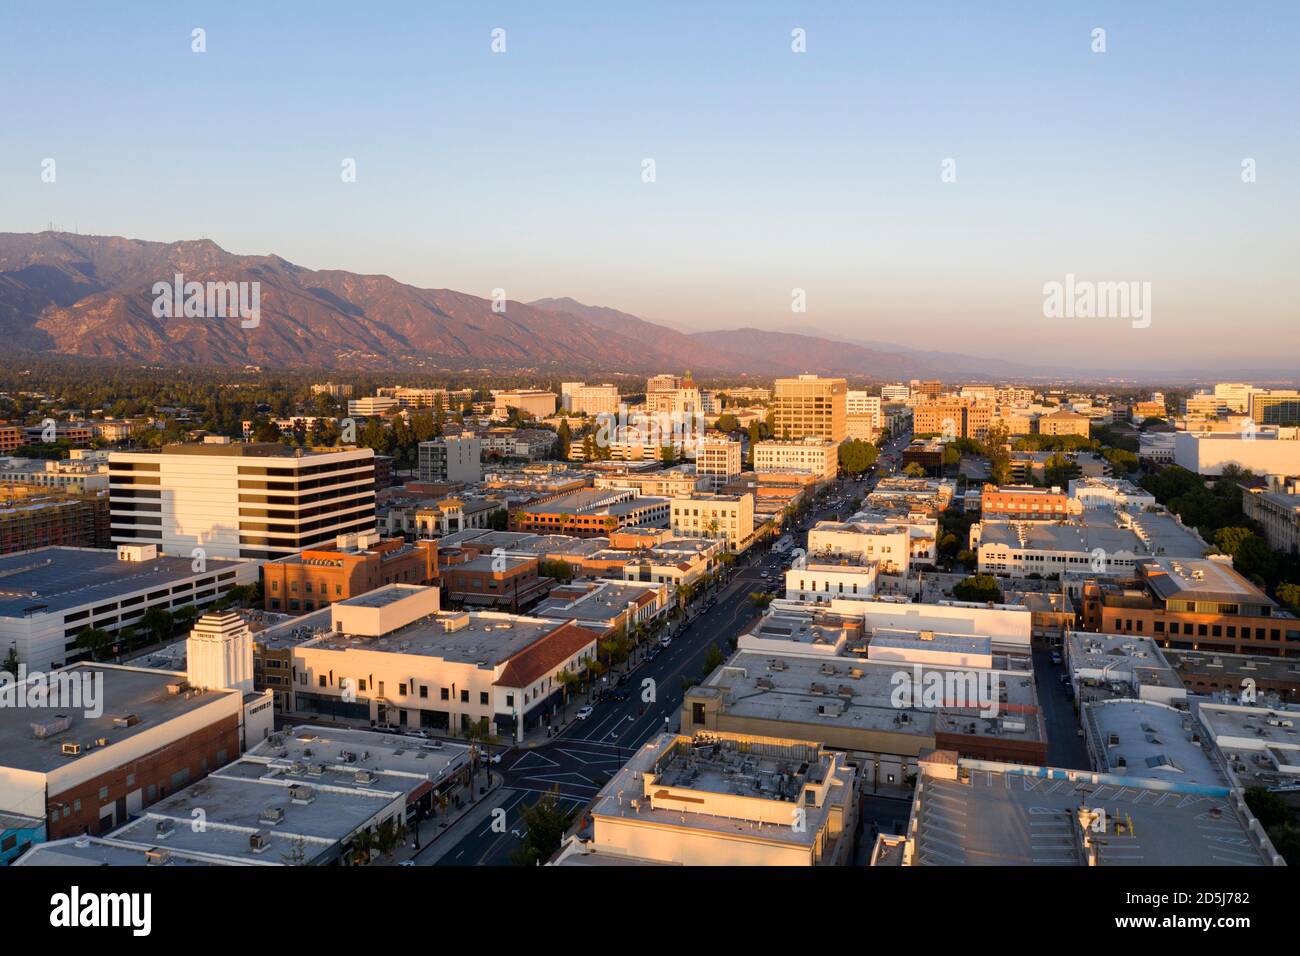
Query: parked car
point(1056, 657)
point(665, 641)
point(585, 711)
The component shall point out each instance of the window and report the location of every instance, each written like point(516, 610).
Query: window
point(464, 697)
point(446, 694)
point(483, 698)
point(424, 692)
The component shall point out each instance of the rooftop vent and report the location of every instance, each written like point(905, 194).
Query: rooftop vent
point(157, 857)
point(164, 828)
point(301, 793)
point(259, 842)
point(271, 815)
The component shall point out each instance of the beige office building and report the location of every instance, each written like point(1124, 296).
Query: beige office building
point(729, 517)
point(811, 406)
point(718, 459)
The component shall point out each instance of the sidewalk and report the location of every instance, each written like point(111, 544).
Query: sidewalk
point(466, 822)
point(436, 829)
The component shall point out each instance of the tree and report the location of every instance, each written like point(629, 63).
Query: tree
point(714, 658)
point(93, 639)
point(564, 439)
point(857, 456)
point(1289, 594)
point(544, 825)
point(995, 442)
point(561, 571)
point(978, 587)
point(913, 470)
point(158, 623)
point(727, 422)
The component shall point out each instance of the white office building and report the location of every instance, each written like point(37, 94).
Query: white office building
point(240, 499)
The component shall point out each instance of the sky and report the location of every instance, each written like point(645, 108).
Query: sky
point(774, 171)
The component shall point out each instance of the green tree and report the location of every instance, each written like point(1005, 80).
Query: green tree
point(857, 456)
point(727, 422)
point(544, 825)
point(93, 639)
point(978, 587)
point(158, 623)
point(564, 438)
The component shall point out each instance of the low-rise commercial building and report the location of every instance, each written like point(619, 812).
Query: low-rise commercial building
point(356, 564)
point(392, 658)
point(721, 799)
point(1191, 604)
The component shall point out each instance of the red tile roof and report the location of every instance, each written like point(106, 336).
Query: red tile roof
point(545, 656)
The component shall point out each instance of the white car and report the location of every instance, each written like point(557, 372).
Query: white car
point(585, 711)
point(665, 641)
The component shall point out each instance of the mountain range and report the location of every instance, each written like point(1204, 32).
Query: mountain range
point(93, 296)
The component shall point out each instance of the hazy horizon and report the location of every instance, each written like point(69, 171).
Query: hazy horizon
point(775, 170)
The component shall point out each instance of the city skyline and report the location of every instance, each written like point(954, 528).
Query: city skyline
point(775, 171)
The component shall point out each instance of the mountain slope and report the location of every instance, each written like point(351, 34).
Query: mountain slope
point(92, 295)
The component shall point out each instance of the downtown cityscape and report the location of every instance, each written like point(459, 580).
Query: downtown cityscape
point(507, 444)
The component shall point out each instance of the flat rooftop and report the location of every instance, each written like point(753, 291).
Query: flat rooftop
point(1120, 657)
point(605, 600)
point(1027, 818)
point(233, 807)
point(1149, 535)
point(1138, 738)
point(1201, 580)
point(685, 765)
point(486, 638)
point(53, 580)
point(99, 851)
point(855, 693)
point(126, 691)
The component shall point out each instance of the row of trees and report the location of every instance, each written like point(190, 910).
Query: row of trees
point(1217, 515)
point(157, 625)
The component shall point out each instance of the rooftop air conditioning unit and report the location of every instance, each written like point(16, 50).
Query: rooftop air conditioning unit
point(71, 749)
point(301, 793)
point(271, 815)
point(164, 828)
point(157, 857)
point(259, 842)
point(364, 777)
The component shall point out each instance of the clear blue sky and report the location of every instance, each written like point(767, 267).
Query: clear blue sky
point(775, 170)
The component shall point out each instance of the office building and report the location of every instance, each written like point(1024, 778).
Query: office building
point(815, 455)
point(579, 398)
point(240, 500)
point(590, 512)
point(1191, 604)
point(1265, 451)
point(728, 517)
point(452, 459)
point(719, 460)
point(811, 407)
point(1277, 512)
point(538, 403)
